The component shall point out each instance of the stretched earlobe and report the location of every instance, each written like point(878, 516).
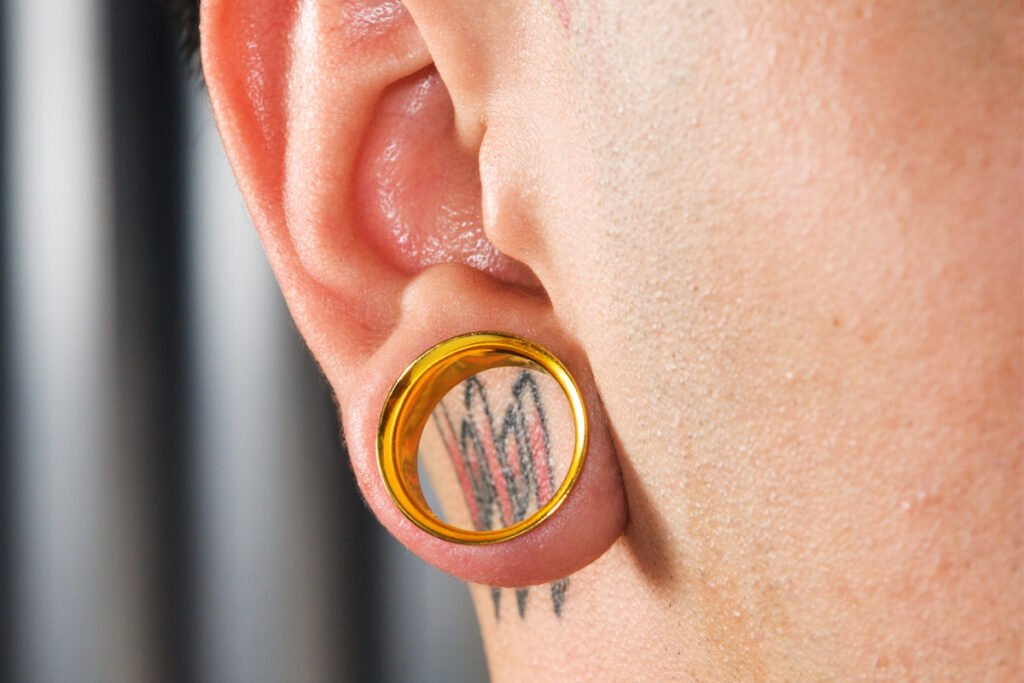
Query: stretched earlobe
point(593, 514)
point(343, 140)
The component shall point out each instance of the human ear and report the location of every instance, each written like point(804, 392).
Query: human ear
point(367, 197)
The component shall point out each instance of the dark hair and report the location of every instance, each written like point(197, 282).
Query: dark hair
point(186, 13)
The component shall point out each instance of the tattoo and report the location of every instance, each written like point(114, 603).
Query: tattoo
point(503, 466)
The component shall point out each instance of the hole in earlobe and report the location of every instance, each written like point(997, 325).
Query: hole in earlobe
point(496, 448)
point(417, 187)
point(500, 544)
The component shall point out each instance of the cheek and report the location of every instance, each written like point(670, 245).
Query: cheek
point(790, 248)
point(768, 166)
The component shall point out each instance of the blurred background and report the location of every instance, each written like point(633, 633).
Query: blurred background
point(177, 504)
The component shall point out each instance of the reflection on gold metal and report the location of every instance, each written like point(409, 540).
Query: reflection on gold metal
point(419, 389)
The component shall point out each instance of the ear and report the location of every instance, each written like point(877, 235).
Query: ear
point(343, 139)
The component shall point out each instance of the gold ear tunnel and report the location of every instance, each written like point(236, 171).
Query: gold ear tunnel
point(417, 392)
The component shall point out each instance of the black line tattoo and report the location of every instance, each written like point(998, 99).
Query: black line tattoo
point(503, 470)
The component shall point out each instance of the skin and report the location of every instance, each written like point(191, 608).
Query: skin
point(779, 244)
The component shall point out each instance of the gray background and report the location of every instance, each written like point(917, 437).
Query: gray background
point(177, 505)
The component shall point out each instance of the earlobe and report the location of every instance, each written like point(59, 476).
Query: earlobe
point(452, 299)
point(344, 143)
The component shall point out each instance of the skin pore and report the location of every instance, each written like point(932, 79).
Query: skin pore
point(779, 242)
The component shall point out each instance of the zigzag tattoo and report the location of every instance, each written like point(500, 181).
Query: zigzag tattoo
point(502, 471)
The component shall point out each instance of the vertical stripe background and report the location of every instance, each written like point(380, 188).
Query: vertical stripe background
point(176, 504)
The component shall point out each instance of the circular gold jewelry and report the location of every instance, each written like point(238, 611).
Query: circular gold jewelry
point(416, 393)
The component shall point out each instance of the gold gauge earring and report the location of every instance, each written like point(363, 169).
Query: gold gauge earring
point(491, 452)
